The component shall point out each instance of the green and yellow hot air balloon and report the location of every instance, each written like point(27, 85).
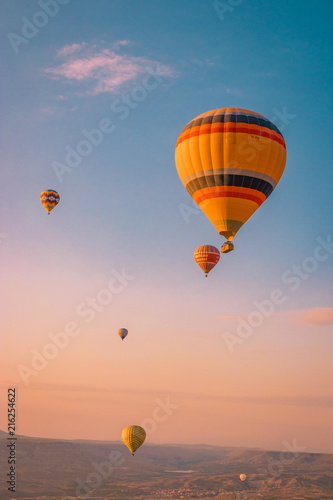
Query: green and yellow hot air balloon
point(133, 436)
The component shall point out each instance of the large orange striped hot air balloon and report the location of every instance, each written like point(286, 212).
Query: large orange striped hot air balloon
point(207, 257)
point(230, 160)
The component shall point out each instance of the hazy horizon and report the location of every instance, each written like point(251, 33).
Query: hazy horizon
point(147, 443)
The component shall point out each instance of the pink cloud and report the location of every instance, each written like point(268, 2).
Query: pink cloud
point(320, 316)
point(229, 318)
point(47, 111)
point(103, 71)
point(122, 42)
point(70, 49)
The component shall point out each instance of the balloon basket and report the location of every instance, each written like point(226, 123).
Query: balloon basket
point(227, 247)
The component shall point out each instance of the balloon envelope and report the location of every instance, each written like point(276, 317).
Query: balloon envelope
point(242, 477)
point(133, 436)
point(49, 199)
point(122, 333)
point(207, 257)
point(230, 160)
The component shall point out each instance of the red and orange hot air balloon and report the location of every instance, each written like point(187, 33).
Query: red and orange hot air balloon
point(207, 257)
point(230, 160)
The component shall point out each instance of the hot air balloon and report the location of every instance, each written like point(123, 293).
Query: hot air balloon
point(122, 333)
point(207, 257)
point(133, 436)
point(49, 199)
point(230, 160)
point(242, 477)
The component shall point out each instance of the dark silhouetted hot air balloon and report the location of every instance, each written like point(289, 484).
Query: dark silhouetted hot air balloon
point(49, 199)
point(207, 257)
point(122, 333)
point(230, 160)
point(133, 436)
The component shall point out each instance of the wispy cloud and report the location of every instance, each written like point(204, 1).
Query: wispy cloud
point(321, 401)
point(102, 70)
point(70, 49)
point(320, 316)
point(56, 110)
point(203, 62)
point(47, 111)
point(235, 92)
point(121, 43)
point(228, 317)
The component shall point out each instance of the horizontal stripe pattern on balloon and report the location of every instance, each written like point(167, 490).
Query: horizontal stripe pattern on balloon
point(207, 256)
point(230, 160)
point(229, 180)
point(249, 123)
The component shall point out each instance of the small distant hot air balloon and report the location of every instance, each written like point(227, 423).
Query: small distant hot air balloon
point(230, 160)
point(242, 477)
point(207, 257)
point(133, 436)
point(49, 199)
point(122, 333)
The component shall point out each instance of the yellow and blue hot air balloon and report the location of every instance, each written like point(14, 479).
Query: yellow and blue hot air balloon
point(133, 436)
point(230, 160)
point(49, 199)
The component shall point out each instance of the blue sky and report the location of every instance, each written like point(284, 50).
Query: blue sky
point(123, 205)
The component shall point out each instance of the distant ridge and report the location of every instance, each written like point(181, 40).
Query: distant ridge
point(35, 438)
point(199, 446)
point(4, 434)
point(182, 445)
